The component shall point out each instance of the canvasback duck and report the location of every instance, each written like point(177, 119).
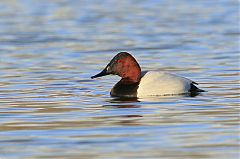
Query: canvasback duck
point(135, 83)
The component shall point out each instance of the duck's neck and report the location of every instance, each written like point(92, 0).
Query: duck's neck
point(133, 75)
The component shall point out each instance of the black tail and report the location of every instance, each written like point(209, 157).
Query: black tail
point(195, 89)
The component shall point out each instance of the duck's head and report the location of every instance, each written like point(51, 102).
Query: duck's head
point(123, 65)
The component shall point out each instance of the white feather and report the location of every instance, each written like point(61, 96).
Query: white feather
point(155, 83)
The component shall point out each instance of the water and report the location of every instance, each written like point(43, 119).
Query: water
point(50, 108)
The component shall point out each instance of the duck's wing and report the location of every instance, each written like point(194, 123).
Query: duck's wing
point(163, 83)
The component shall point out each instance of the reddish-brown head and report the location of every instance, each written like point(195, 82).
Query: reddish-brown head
point(123, 65)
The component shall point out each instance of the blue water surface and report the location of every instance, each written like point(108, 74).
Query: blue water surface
point(50, 108)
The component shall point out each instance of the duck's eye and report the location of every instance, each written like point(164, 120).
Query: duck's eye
point(108, 68)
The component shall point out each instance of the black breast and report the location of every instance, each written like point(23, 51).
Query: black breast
point(124, 89)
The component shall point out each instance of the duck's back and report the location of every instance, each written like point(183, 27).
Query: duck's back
point(161, 83)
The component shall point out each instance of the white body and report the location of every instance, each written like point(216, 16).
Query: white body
point(157, 83)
